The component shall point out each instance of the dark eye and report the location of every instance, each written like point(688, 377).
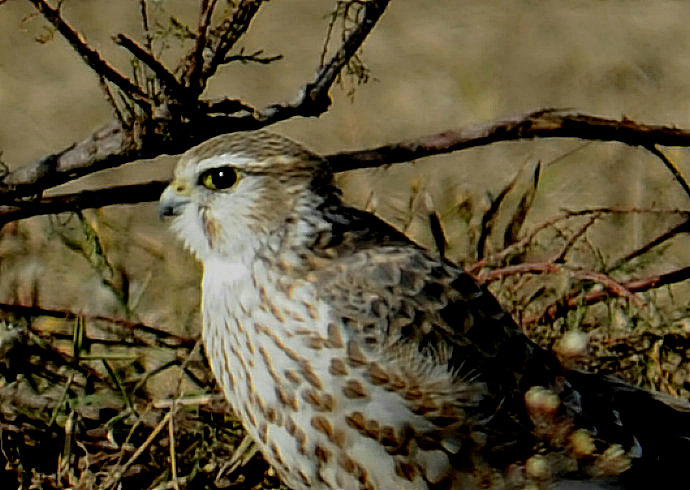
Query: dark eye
point(218, 178)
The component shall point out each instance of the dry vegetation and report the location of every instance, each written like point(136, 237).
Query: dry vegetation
point(102, 381)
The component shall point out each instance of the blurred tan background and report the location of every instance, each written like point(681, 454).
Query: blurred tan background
point(434, 65)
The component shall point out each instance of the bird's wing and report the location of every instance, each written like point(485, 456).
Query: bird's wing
point(395, 296)
point(405, 305)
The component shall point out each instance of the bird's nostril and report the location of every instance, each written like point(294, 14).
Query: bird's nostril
point(180, 187)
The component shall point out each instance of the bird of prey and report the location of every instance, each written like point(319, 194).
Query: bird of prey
point(356, 359)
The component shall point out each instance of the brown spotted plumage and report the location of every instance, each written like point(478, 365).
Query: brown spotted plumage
point(355, 359)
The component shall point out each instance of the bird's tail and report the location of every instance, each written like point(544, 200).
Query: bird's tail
point(653, 427)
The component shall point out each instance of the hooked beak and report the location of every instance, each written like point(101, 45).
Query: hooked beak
point(173, 199)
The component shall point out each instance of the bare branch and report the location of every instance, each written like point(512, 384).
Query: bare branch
point(144, 13)
point(225, 106)
point(92, 57)
point(108, 147)
point(551, 267)
point(255, 57)
point(519, 246)
point(112, 146)
point(32, 311)
point(544, 123)
point(230, 32)
point(166, 77)
point(195, 59)
point(314, 100)
point(198, 71)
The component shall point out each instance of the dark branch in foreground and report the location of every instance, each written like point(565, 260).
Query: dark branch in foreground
point(122, 194)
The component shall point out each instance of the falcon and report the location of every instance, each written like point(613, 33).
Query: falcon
point(356, 359)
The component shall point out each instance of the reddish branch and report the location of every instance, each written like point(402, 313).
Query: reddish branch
point(634, 286)
point(611, 285)
point(525, 241)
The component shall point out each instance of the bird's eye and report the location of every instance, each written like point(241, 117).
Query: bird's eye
point(218, 178)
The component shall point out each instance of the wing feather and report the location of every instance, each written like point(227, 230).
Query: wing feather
point(401, 301)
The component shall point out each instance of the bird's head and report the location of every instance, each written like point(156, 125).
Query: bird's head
point(235, 193)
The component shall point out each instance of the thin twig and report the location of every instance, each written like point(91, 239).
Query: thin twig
point(124, 122)
point(165, 76)
point(550, 267)
point(671, 166)
point(575, 236)
point(255, 57)
point(594, 214)
point(314, 99)
point(144, 13)
point(92, 57)
point(171, 445)
point(683, 227)
point(117, 474)
point(36, 311)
